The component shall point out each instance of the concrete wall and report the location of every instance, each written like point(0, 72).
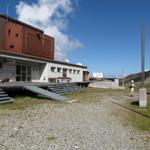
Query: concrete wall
point(106, 84)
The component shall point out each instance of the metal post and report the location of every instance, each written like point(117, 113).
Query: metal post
point(123, 77)
point(142, 91)
point(142, 55)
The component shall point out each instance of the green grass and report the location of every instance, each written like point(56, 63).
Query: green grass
point(89, 95)
point(137, 120)
point(23, 102)
point(51, 138)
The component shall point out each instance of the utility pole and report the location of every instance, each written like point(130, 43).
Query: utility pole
point(123, 76)
point(142, 91)
point(142, 55)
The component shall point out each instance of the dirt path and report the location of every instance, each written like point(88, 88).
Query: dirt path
point(84, 126)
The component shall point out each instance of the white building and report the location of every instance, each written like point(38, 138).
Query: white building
point(22, 67)
point(98, 75)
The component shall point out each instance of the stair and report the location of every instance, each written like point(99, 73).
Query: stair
point(64, 88)
point(4, 98)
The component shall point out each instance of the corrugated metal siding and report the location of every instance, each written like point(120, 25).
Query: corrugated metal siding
point(22, 39)
point(13, 37)
point(2, 32)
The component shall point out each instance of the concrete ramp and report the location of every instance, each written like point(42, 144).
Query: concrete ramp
point(45, 93)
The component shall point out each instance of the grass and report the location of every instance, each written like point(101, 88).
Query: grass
point(136, 120)
point(51, 138)
point(140, 121)
point(89, 95)
point(23, 102)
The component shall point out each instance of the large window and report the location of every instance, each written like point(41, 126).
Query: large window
point(58, 69)
point(78, 71)
point(23, 73)
point(74, 71)
point(70, 70)
point(65, 72)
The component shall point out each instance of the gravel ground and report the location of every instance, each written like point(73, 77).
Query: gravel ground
point(83, 126)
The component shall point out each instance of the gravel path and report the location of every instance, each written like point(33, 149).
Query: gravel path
point(83, 126)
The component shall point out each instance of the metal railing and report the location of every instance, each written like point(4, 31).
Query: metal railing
point(7, 75)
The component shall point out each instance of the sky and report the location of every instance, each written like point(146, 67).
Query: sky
point(101, 34)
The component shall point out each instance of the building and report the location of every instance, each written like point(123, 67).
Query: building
point(98, 75)
point(27, 54)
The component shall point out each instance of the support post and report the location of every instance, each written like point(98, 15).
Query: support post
point(142, 91)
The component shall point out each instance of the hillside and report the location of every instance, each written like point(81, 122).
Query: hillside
point(137, 78)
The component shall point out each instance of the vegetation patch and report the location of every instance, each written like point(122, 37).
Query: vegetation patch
point(141, 121)
point(51, 138)
point(23, 102)
point(91, 95)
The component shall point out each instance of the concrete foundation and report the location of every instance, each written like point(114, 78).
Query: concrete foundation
point(142, 98)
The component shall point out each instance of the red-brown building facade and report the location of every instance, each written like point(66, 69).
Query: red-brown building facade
point(18, 37)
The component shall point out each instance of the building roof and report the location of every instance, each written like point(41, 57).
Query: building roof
point(19, 22)
point(36, 58)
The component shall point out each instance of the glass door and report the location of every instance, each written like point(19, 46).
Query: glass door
point(23, 73)
point(18, 73)
point(28, 73)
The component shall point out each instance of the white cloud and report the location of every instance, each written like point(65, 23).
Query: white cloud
point(50, 16)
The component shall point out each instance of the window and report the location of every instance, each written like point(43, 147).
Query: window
point(70, 70)
point(53, 69)
point(58, 69)
point(17, 35)
point(65, 70)
point(78, 71)
point(74, 71)
point(1, 65)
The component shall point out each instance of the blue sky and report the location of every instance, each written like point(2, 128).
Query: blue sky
point(109, 31)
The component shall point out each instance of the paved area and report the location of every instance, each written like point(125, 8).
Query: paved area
point(72, 126)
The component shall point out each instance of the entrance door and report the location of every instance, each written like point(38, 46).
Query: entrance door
point(23, 73)
point(65, 73)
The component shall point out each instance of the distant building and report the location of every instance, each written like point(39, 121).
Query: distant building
point(98, 75)
point(27, 54)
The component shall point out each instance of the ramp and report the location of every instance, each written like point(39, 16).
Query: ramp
point(45, 93)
